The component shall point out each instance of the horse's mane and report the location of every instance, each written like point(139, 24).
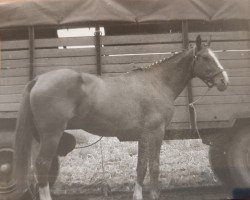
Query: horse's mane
point(166, 59)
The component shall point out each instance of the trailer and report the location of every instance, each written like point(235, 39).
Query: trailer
point(129, 35)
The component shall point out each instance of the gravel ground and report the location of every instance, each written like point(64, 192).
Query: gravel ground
point(183, 164)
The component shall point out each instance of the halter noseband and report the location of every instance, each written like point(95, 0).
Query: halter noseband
point(208, 80)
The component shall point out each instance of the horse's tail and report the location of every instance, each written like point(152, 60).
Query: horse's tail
point(25, 128)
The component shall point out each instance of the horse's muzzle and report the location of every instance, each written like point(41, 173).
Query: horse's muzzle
point(221, 81)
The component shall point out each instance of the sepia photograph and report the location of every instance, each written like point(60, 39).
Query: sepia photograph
point(124, 99)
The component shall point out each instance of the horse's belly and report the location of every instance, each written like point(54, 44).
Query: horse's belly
point(104, 126)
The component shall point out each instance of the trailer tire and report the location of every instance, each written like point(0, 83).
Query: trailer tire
point(218, 154)
point(239, 158)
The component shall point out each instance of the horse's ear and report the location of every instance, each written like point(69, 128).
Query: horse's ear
point(198, 42)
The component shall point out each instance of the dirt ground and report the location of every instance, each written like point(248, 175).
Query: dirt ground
point(194, 193)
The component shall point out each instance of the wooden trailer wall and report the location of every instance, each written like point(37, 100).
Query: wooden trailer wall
point(120, 54)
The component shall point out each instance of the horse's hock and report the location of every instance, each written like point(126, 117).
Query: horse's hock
point(222, 118)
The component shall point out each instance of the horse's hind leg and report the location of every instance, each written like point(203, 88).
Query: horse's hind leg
point(141, 166)
point(155, 142)
point(48, 150)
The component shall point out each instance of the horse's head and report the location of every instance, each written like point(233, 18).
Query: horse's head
point(207, 67)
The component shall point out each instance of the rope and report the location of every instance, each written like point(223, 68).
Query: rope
point(195, 113)
point(83, 147)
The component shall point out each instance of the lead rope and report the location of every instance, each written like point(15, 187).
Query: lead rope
point(195, 113)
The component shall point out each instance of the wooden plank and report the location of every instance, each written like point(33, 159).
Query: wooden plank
point(230, 45)
point(234, 81)
point(84, 68)
point(4, 81)
point(15, 72)
point(59, 53)
point(235, 64)
point(67, 41)
point(15, 44)
point(141, 49)
point(233, 55)
point(9, 107)
point(231, 90)
point(10, 98)
point(133, 59)
point(15, 55)
point(8, 115)
point(15, 63)
point(141, 39)
point(15, 89)
point(235, 45)
point(207, 100)
point(207, 113)
point(39, 62)
point(48, 53)
point(220, 36)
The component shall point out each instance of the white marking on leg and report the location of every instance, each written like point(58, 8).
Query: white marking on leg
point(211, 53)
point(44, 193)
point(137, 192)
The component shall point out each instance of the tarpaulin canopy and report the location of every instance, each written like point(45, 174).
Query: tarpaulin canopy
point(15, 13)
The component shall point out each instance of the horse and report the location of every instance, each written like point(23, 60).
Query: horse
point(139, 102)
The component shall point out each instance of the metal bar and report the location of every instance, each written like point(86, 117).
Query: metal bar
point(189, 86)
point(98, 50)
point(31, 52)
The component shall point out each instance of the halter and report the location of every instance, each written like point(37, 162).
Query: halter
point(208, 80)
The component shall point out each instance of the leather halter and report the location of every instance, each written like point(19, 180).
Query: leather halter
point(208, 80)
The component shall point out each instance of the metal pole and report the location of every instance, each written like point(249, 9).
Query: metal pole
point(98, 50)
point(31, 52)
point(189, 86)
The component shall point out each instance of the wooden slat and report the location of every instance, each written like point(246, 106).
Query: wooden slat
point(235, 64)
point(15, 55)
point(231, 90)
point(141, 39)
point(15, 63)
point(10, 98)
point(4, 81)
point(15, 89)
point(48, 53)
point(234, 81)
point(133, 59)
point(16, 72)
point(15, 44)
point(215, 36)
point(9, 107)
point(217, 112)
point(84, 68)
point(233, 55)
point(233, 99)
point(230, 45)
point(67, 41)
point(141, 49)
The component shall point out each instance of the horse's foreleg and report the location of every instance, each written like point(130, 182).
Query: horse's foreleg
point(141, 166)
point(155, 142)
point(48, 150)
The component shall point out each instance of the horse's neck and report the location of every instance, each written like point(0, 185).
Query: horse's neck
point(177, 72)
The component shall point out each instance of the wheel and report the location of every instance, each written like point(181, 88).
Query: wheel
point(239, 158)
point(218, 158)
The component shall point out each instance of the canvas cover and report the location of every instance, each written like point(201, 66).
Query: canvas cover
point(15, 13)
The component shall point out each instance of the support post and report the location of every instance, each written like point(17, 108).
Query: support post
point(31, 52)
point(98, 50)
point(189, 86)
